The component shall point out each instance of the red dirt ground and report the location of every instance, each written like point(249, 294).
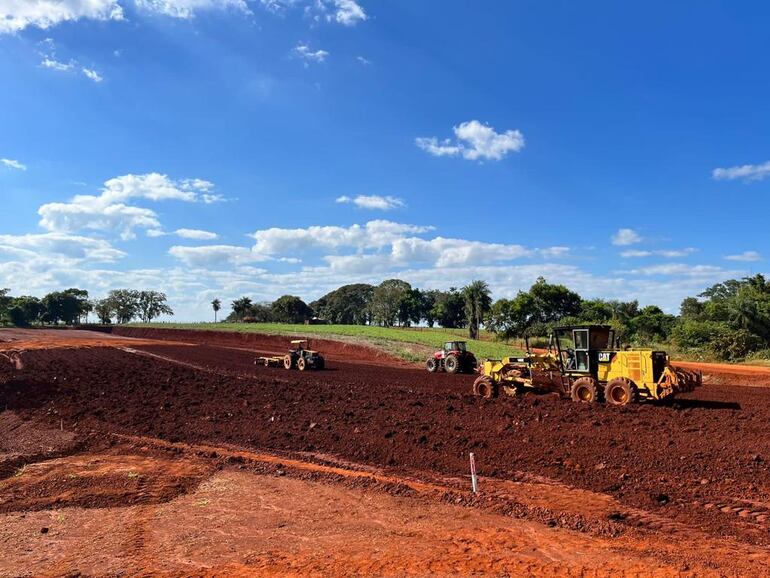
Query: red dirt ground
point(694, 473)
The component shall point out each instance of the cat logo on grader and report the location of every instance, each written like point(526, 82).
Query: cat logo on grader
point(586, 363)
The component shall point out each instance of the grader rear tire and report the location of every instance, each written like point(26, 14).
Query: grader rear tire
point(621, 391)
point(485, 387)
point(585, 389)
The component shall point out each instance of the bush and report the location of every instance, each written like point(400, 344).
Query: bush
point(716, 338)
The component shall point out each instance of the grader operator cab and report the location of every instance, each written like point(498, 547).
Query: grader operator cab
point(587, 364)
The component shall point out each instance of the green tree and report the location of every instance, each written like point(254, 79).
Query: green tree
point(124, 304)
point(347, 305)
point(449, 309)
point(241, 307)
point(290, 309)
point(104, 310)
point(5, 302)
point(478, 300)
point(152, 304)
point(410, 307)
point(553, 302)
point(66, 306)
point(216, 305)
point(691, 308)
point(512, 317)
point(386, 299)
point(25, 310)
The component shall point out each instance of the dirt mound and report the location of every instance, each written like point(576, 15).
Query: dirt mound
point(264, 343)
point(703, 461)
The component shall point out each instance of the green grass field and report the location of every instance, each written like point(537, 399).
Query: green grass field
point(410, 344)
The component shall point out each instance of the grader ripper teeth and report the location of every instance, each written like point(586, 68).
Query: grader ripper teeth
point(587, 364)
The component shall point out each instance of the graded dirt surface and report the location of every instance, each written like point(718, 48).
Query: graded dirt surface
point(190, 460)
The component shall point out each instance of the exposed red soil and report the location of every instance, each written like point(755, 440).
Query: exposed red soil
point(702, 462)
point(333, 350)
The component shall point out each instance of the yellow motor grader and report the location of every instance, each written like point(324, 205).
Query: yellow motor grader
point(587, 364)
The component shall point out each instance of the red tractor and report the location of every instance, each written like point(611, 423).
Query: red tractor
point(452, 358)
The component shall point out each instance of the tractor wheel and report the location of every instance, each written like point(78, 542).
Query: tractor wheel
point(431, 365)
point(287, 362)
point(452, 364)
point(485, 387)
point(301, 364)
point(620, 391)
point(585, 389)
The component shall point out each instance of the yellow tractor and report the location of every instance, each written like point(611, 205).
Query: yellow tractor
point(587, 364)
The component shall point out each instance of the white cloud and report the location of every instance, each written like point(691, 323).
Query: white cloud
point(69, 247)
point(474, 141)
point(348, 13)
point(684, 270)
point(626, 237)
point(13, 164)
point(50, 61)
point(374, 202)
point(745, 256)
point(195, 234)
point(109, 211)
point(307, 56)
point(215, 256)
point(364, 61)
point(189, 8)
point(16, 15)
point(668, 253)
point(53, 64)
point(91, 74)
point(746, 172)
point(372, 235)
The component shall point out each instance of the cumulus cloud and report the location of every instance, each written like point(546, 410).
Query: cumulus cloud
point(373, 235)
point(374, 202)
point(347, 13)
point(474, 141)
point(626, 237)
point(189, 8)
point(16, 15)
point(745, 256)
point(303, 52)
point(110, 211)
point(684, 270)
point(745, 172)
point(13, 164)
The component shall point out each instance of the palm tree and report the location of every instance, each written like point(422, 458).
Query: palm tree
point(216, 304)
point(477, 303)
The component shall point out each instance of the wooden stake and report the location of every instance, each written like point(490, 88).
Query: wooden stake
point(474, 483)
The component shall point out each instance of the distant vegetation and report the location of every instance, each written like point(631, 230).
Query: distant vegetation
point(728, 321)
point(72, 307)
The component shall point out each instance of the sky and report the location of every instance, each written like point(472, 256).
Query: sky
point(222, 148)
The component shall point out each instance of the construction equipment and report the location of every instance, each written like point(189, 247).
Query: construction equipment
point(587, 364)
point(454, 357)
point(298, 357)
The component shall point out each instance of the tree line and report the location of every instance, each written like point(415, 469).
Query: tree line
point(73, 306)
point(730, 320)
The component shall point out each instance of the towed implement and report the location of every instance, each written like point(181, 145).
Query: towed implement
point(297, 358)
point(586, 364)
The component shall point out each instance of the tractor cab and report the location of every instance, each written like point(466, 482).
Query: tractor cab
point(298, 345)
point(454, 346)
point(580, 349)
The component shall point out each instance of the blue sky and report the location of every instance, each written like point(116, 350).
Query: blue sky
point(219, 148)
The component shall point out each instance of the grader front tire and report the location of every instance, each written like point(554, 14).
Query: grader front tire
point(585, 390)
point(485, 387)
point(620, 391)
